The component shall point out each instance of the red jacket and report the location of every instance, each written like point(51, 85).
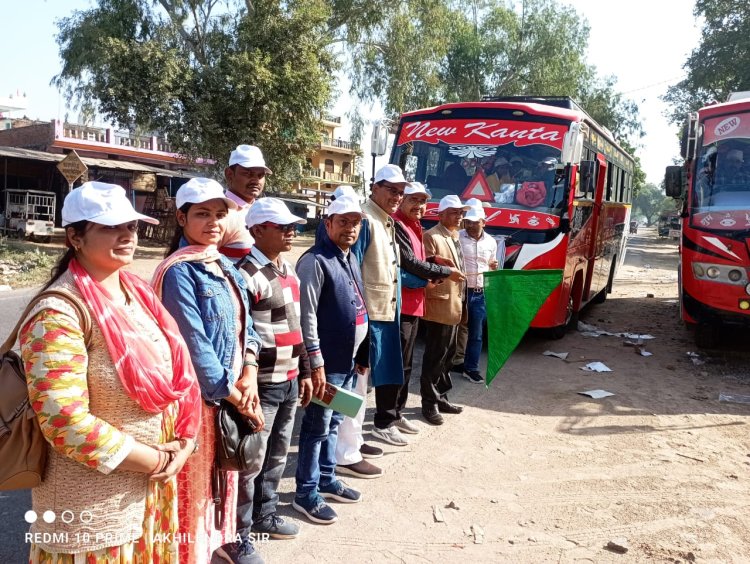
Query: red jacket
point(412, 299)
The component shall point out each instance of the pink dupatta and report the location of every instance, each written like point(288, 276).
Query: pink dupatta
point(146, 378)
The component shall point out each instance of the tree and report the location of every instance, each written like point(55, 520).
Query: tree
point(209, 74)
point(650, 202)
point(717, 66)
point(427, 52)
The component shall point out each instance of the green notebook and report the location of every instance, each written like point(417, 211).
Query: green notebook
point(343, 401)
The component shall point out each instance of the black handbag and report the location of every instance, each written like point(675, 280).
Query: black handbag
point(237, 441)
point(238, 444)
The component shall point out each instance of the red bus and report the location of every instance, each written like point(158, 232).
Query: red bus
point(555, 185)
point(714, 186)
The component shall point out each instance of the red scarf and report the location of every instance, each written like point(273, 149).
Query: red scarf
point(143, 373)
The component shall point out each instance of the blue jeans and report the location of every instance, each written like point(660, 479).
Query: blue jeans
point(477, 315)
point(316, 463)
point(256, 493)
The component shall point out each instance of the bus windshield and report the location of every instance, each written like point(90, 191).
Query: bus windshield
point(507, 176)
point(721, 191)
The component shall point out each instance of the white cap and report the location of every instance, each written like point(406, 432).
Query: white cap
point(343, 190)
point(416, 188)
point(501, 161)
point(451, 201)
point(271, 210)
point(248, 156)
point(98, 202)
point(475, 214)
point(390, 173)
point(344, 204)
point(199, 190)
point(474, 203)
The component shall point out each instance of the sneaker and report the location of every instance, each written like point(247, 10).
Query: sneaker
point(432, 415)
point(316, 509)
point(339, 491)
point(390, 435)
point(406, 426)
point(276, 528)
point(361, 469)
point(473, 376)
point(458, 368)
point(369, 451)
point(240, 552)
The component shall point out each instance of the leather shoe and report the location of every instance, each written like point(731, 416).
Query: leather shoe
point(448, 407)
point(432, 416)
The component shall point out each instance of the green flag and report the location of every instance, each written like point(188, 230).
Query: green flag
point(512, 299)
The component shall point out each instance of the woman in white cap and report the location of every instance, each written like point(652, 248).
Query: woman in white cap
point(117, 397)
point(208, 298)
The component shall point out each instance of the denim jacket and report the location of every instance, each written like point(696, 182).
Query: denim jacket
point(202, 305)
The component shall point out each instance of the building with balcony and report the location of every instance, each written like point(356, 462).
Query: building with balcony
point(142, 164)
point(332, 164)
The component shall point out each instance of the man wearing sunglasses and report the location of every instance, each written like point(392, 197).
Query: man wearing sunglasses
point(283, 366)
point(378, 253)
point(246, 178)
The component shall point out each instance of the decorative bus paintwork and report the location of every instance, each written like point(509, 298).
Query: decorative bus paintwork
point(714, 187)
point(537, 205)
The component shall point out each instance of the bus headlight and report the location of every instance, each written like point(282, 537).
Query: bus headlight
point(721, 273)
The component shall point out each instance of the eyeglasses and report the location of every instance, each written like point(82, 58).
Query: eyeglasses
point(285, 228)
point(392, 189)
point(343, 222)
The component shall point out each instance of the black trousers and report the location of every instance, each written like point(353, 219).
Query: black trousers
point(439, 349)
point(390, 399)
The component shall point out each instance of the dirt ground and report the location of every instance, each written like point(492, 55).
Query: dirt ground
point(538, 473)
point(534, 472)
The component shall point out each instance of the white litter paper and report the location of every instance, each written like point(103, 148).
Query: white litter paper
point(596, 367)
point(592, 331)
point(597, 394)
point(561, 356)
point(645, 353)
point(696, 358)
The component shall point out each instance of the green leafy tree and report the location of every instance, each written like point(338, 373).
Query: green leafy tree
point(426, 52)
point(717, 66)
point(650, 202)
point(209, 74)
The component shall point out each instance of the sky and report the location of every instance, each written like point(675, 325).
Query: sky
point(643, 43)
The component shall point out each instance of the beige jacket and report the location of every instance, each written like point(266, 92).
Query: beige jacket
point(445, 302)
point(380, 268)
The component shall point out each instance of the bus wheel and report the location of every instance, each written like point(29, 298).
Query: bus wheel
point(706, 336)
point(557, 333)
point(571, 320)
point(601, 297)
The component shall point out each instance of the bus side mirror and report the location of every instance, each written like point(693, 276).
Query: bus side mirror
point(673, 182)
point(587, 170)
point(565, 224)
point(572, 145)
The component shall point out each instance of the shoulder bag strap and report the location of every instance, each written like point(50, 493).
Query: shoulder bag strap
point(84, 318)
